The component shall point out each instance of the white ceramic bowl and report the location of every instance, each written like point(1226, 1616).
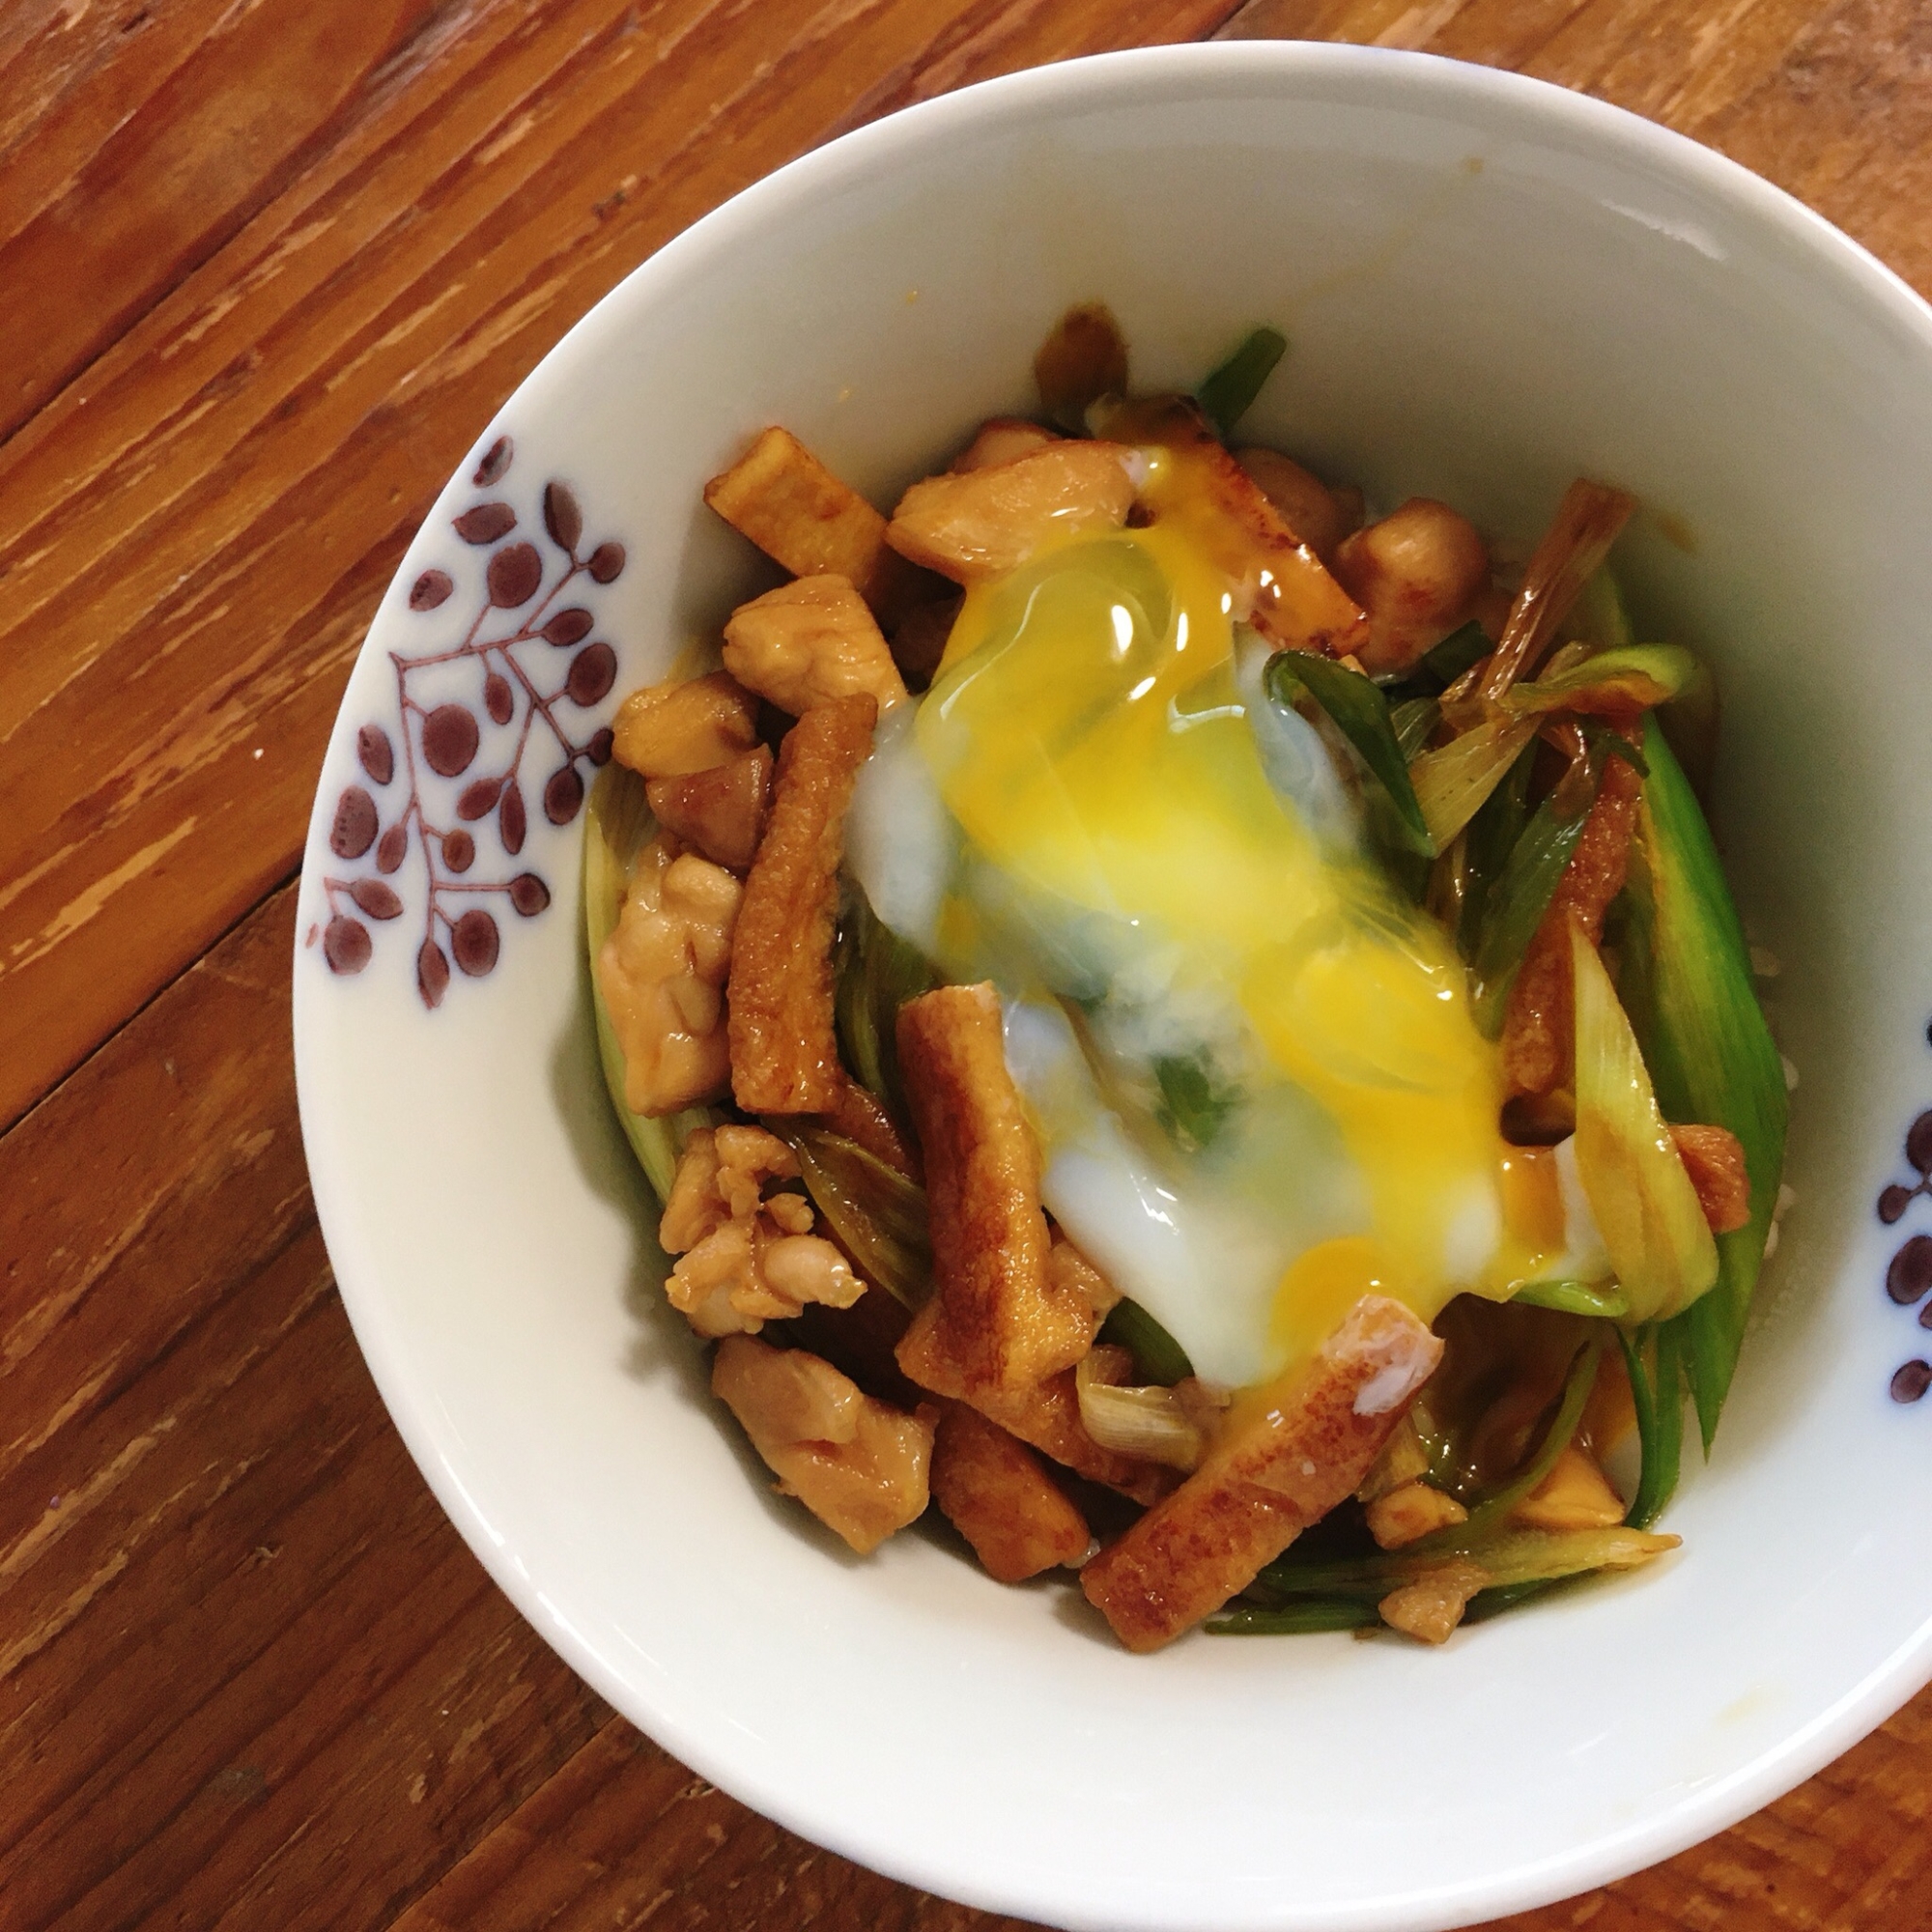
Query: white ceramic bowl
point(1490, 286)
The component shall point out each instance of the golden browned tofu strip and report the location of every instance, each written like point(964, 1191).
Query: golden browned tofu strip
point(784, 1052)
point(984, 522)
point(808, 642)
point(721, 811)
point(866, 1477)
point(1286, 1458)
point(798, 512)
point(997, 1320)
point(994, 1492)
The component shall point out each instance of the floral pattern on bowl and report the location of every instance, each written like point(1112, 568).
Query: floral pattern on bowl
point(471, 715)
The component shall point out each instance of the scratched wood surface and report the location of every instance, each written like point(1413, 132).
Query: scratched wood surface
point(268, 264)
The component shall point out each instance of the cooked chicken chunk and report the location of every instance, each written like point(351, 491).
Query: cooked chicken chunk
point(1576, 1494)
point(995, 1494)
point(1417, 574)
point(1282, 1464)
point(865, 1482)
point(979, 526)
point(684, 724)
point(1431, 1608)
point(721, 811)
point(796, 510)
point(746, 1260)
point(1002, 440)
point(661, 973)
point(809, 641)
point(1410, 1512)
point(784, 1050)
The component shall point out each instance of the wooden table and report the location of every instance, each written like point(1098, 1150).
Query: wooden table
point(268, 264)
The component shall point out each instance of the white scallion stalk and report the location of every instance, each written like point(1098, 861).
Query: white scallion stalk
point(1146, 1421)
point(1451, 783)
point(1652, 1223)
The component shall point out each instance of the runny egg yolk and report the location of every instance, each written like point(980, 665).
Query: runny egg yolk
point(1088, 735)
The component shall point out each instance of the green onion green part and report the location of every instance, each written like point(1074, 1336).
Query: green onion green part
point(1226, 394)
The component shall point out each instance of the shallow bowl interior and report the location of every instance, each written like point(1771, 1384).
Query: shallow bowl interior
point(1490, 287)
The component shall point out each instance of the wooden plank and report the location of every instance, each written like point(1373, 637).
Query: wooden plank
point(1830, 99)
point(193, 534)
point(248, 1674)
point(623, 1835)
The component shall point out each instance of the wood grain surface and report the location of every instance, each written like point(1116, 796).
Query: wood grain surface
point(271, 263)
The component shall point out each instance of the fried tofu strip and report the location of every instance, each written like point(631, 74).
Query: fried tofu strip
point(996, 1321)
point(784, 1052)
point(994, 1492)
point(720, 811)
point(1293, 1455)
point(684, 724)
point(1713, 1157)
point(1540, 1020)
point(1283, 588)
point(809, 641)
point(796, 511)
point(979, 526)
point(865, 1480)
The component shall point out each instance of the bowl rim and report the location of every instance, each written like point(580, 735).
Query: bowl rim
point(1187, 70)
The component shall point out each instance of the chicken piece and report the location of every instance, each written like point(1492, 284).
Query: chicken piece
point(1409, 1511)
point(809, 641)
point(1430, 1608)
point(1319, 516)
point(745, 1260)
point(1713, 1157)
point(797, 511)
point(720, 811)
point(1280, 585)
point(863, 1482)
point(784, 1051)
point(1002, 440)
point(684, 724)
point(1576, 1494)
point(994, 1492)
point(996, 1317)
point(1538, 1021)
point(1283, 1462)
point(980, 525)
point(1417, 574)
point(661, 973)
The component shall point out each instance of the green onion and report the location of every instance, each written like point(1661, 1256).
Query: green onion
point(1639, 1191)
point(1157, 1357)
point(1225, 395)
point(1451, 783)
point(1599, 1299)
point(874, 1209)
point(1686, 975)
point(1413, 721)
point(1636, 678)
point(1492, 836)
point(1656, 1392)
point(1316, 1613)
point(617, 826)
point(1437, 669)
point(1599, 612)
point(1361, 714)
point(1520, 896)
point(1192, 1108)
point(877, 973)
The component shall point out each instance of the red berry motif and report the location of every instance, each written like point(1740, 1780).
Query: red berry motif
point(444, 740)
